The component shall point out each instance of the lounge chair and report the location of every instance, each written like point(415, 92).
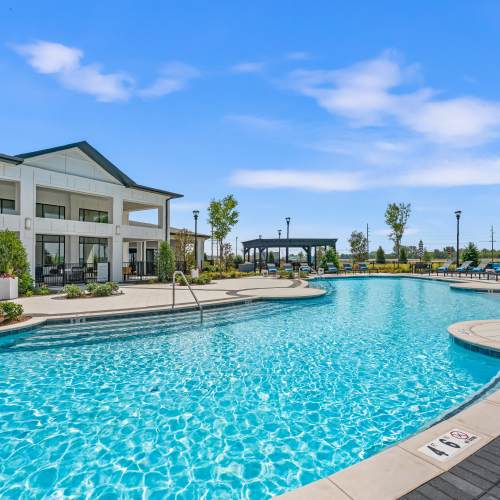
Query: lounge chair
point(347, 268)
point(464, 267)
point(288, 268)
point(271, 268)
point(305, 268)
point(480, 268)
point(331, 268)
point(445, 267)
point(362, 267)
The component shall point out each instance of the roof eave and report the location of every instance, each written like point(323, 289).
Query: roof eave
point(16, 160)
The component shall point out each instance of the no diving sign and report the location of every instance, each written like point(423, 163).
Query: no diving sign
point(448, 445)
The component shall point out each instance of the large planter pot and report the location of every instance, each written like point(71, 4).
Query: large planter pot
point(8, 288)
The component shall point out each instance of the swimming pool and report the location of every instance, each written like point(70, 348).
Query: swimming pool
point(261, 399)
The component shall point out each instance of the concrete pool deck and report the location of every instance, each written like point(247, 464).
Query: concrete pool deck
point(144, 297)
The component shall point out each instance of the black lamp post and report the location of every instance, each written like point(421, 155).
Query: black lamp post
point(279, 248)
point(287, 219)
point(260, 253)
point(196, 213)
point(458, 213)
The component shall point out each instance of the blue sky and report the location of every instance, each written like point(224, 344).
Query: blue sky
point(324, 111)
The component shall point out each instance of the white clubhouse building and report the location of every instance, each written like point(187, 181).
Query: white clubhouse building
point(74, 213)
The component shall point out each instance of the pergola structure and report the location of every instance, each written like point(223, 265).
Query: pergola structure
point(262, 246)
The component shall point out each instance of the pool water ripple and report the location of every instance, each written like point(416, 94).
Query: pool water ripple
point(261, 399)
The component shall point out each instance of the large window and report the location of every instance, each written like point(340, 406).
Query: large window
point(49, 249)
point(7, 206)
point(87, 215)
point(50, 211)
point(93, 250)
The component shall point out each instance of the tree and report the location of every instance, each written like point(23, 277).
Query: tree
point(380, 255)
point(184, 248)
point(270, 258)
point(359, 246)
point(403, 256)
point(222, 216)
point(420, 249)
point(331, 256)
point(427, 256)
point(470, 252)
point(165, 262)
point(396, 217)
point(14, 260)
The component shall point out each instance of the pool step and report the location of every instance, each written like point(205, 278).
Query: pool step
point(65, 335)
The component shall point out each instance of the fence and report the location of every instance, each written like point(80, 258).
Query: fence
point(63, 274)
point(139, 270)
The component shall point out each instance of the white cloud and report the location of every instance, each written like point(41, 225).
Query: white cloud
point(65, 63)
point(374, 93)
point(258, 122)
point(248, 67)
point(437, 173)
point(175, 76)
point(298, 179)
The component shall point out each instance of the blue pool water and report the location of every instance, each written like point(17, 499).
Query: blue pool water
point(263, 398)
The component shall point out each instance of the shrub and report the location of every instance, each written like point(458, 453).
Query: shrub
point(72, 291)
point(470, 252)
point(42, 290)
point(166, 262)
point(11, 311)
point(102, 290)
point(25, 283)
point(331, 256)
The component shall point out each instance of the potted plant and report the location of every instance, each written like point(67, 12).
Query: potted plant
point(13, 266)
point(8, 286)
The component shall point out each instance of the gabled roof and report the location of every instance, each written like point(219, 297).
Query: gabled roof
point(10, 159)
point(102, 161)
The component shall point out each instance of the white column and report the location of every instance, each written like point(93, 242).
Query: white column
point(117, 240)
point(166, 219)
point(27, 205)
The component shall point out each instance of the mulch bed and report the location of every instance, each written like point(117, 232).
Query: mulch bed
point(21, 319)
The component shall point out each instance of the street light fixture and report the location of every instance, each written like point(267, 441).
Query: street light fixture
point(287, 220)
point(279, 248)
point(196, 213)
point(458, 213)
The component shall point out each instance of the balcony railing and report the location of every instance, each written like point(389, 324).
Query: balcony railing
point(67, 273)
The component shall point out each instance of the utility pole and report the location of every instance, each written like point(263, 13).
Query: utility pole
point(368, 242)
point(492, 241)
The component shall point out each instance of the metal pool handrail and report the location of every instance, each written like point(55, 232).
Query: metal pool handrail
point(180, 273)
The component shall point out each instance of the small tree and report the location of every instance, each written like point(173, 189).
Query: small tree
point(403, 256)
point(359, 246)
point(331, 256)
point(184, 248)
point(470, 252)
point(166, 262)
point(270, 258)
point(396, 217)
point(427, 256)
point(380, 255)
point(222, 216)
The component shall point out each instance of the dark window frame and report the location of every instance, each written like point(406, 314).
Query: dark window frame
point(61, 209)
point(2, 203)
point(92, 240)
point(84, 215)
point(40, 239)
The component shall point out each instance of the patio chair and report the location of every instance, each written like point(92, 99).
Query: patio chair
point(464, 267)
point(271, 268)
point(288, 268)
point(362, 267)
point(445, 267)
point(331, 268)
point(348, 268)
point(305, 268)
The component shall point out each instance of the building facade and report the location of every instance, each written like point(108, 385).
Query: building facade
point(78, 215)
